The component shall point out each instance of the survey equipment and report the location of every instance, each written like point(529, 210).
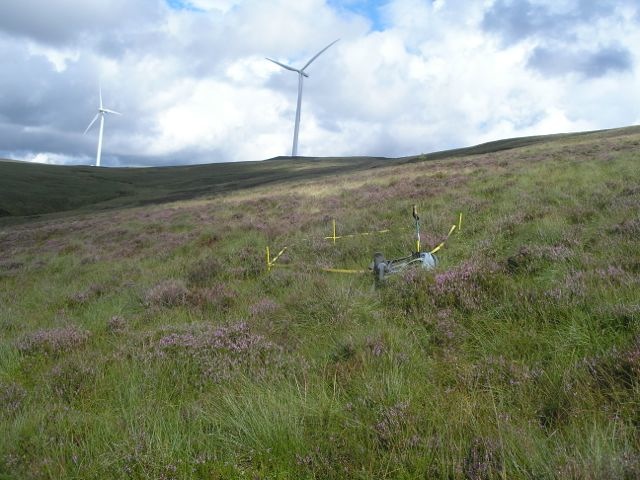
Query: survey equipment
point(381, 267)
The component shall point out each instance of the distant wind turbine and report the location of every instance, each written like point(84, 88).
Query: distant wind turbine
point(301, 73)
point(101, 112)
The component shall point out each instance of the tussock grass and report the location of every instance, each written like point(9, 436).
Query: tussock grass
point(150, 342)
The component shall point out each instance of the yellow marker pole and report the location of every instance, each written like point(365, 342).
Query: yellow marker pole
point(417, 219)
point(268, 260)
point(334, 231)
point(459, 222)
point(437, 248)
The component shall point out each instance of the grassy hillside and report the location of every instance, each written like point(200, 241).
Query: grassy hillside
point(151, 342)
point(31, 189)
point(28, 189)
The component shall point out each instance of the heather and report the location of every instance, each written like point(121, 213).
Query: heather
point(152, 342)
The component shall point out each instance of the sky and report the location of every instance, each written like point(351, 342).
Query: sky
point(407, 76)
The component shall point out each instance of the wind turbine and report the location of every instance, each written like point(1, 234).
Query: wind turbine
point(301, 74)
point(101, 112)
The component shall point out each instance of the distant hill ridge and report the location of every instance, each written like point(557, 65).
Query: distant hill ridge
point(30, 189)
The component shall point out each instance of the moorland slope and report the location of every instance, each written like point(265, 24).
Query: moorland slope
point(28, 189)
point(152, 342)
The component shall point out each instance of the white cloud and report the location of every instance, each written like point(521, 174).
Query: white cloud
point(49, 158)
point(221, 5)
point(194, 85)
point(58, 57)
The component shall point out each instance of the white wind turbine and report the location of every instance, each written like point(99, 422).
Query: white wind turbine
point(301, 74)
point(101, 112)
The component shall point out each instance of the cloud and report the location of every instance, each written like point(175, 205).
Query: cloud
point(589, 64)
point(516, 20)
point(408, 76)
point(62, 22)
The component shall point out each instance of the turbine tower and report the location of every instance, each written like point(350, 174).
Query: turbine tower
point(101, 112)
point(301, 74)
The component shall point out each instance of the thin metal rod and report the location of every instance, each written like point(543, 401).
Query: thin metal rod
point(294, 149)
point(100, 139)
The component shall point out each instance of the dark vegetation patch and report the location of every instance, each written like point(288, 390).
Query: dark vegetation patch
point(218, 296)
point(263, 307)
point(222, 353)
point(86, 295)
point(53, 341)
point(618, 368)
point(71, 378)
point(531, 258)
point(116, 324)
point(12, 398)
point(483, 460)
point(629, 227)
point(466, 288)
point(168, 293)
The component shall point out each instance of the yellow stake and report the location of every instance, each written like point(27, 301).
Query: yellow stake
point(268, 260)
point(459, 222)
point(273, 261)
point(417, 219)
point(334, 231)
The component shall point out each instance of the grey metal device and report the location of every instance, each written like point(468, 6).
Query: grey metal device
point(427, 260)
point(382, 267)
point(301, 74)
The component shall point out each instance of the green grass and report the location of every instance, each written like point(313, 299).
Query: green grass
point(150, 341)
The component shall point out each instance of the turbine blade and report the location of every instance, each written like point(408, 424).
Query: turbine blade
point(111, 111)
point(284, 66)
point(100, 93)
point(92, 122)
point(318, 54)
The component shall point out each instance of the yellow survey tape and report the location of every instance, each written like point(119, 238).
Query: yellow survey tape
point(343, 270)
point(351, 235)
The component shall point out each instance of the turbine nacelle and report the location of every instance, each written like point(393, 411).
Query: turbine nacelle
point(106, 110)
point(301, 72)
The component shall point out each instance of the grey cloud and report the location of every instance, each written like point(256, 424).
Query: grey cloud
point(24, 140)
point(43, 110)
point(63, 22)
point(515, 20)
point(33, 94)
point(589, 64)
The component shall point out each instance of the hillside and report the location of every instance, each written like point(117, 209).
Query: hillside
point(28, 189)
point(31, 189)
point(152, 341)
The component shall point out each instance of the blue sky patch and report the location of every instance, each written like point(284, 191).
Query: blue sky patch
point(366, 8)
point(182, 5)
